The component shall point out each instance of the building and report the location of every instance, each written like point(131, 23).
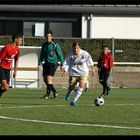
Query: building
point(86, 21)
point(69, 21)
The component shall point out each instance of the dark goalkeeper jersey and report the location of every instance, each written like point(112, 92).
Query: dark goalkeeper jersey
point(51, 53)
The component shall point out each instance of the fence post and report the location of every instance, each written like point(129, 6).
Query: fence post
point(39, 85)
point(113, 55)
point(23, 41)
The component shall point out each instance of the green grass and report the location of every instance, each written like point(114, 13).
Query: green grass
point(121, 108)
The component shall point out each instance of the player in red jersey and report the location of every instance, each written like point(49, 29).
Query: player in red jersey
point(7, 54)
point(105, 65)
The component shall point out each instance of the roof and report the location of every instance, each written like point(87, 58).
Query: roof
point(130, 10)
point(69, 2)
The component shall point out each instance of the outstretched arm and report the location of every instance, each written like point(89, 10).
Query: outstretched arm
point(41, 56)
point(65, 66)
point(91, 64)
point(59, 54)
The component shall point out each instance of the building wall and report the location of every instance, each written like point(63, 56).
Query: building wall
point(117, 27)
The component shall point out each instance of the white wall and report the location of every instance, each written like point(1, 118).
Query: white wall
point(84, 27)
point(117, 27)
point(28, 59)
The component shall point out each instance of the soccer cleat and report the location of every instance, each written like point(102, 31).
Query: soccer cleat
point(67, 96)
point(45, 96)
point(73, 103)
point(101, 95)
point(108, 90)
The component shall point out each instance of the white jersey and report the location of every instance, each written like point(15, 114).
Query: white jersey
point(78, 65)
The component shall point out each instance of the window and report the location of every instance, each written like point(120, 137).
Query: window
point(11, 27)
point(61, 29)
point(34, 29)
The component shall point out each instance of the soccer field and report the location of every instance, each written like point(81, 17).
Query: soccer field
point(22, 112)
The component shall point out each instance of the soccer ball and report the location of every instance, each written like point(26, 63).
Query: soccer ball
point(99, 101)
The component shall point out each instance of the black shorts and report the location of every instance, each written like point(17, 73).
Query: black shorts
point(49, 69)
point(4, 74)
point(103, 74)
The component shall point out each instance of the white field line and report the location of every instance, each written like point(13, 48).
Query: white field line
point(126, 104)
point(58, 105)
point(72, 124)
point(31, 106)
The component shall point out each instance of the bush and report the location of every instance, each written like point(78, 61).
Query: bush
point(130, 48)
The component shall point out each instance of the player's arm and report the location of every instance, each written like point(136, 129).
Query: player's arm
point(65, 66)
point(41, 58)
point(91, 64)
point(15, 65)
point(60, 55)
point(111, 64)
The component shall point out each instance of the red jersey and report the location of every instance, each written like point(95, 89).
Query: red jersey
point(105, 61)
point(7, 54)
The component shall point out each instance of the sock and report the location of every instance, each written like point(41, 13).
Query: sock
point(49, 88)
point(104, 89)
point(77, 93)
point(2, 91)
point(53, 89)
point(87, 84)
point(68, 91)
point(77, 85)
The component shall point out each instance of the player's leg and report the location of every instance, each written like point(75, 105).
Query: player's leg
point(53, 68)
point(45, 79)
point(48, 92)
point(79, 90)
point(100, 74)
point(101, 80)
point(72, 85)
point(86, 86)
point(4, 87)
point(106, 86)
point(46, 96)
point(48, 81)
point(77, 85)
point(4, 80)
point(48, 73)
